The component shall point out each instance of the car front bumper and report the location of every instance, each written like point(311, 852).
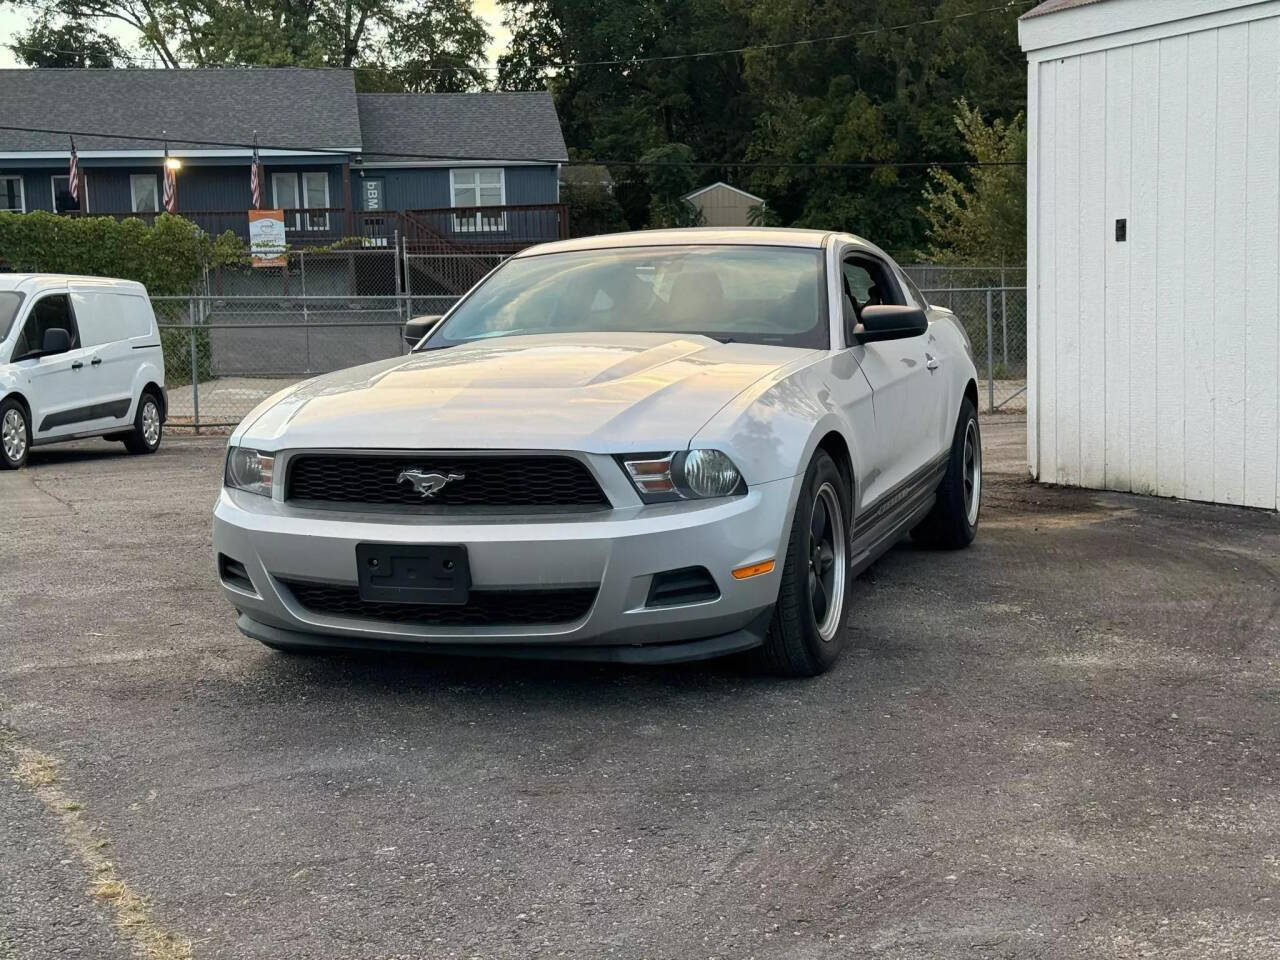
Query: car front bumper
point(620, 550)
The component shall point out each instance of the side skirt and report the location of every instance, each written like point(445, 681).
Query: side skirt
point(893, 516)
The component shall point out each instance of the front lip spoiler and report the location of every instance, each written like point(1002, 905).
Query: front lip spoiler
point(749, 637)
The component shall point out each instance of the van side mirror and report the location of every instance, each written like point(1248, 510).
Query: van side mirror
point(891, 322)
point(56, 340)
point(418, 327)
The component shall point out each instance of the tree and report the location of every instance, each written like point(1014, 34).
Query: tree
point(73, 44)
point(980, 219)
point(791, 122)
point(393, 44)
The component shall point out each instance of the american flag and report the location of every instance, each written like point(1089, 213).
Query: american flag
point(74, 173)
point(255, 179)
point(170, 185)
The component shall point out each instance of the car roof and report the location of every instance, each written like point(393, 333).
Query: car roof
point(35, 282)
point(688, 236)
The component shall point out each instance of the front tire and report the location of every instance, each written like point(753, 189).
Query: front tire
point(148, 426)
point(807, 632)
point(15, 434)
point(953, 521)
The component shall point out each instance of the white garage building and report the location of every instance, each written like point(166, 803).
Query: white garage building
point(1153, 143)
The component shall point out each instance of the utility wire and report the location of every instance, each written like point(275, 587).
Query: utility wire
point(624, 61)
point(170, 138)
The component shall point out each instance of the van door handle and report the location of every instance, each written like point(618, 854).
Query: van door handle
point(95, 361)
point(77, 365)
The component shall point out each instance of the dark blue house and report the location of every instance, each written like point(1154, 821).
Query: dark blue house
point(455, 174)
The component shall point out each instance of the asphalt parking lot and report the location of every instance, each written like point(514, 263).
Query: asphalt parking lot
point(1062, 742)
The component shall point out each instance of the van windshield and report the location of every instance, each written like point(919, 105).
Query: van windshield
point(10, 301)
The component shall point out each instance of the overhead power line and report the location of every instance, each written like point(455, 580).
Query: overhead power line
point(172, 138)
point(621, 61)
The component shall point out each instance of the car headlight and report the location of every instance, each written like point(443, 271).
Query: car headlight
point(684, 475)
point(249, 470)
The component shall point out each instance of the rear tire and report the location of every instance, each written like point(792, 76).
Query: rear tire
point(807, 632)
point(15, 434)
point(953, 521)
point(148, 426)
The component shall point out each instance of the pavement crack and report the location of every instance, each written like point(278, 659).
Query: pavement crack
point(38, 772)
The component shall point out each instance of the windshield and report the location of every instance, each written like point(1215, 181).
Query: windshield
point(10, 301)
point(746, 294)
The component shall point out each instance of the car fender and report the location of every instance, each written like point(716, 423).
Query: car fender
point(772, 430)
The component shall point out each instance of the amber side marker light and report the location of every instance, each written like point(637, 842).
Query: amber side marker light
point(753, 570)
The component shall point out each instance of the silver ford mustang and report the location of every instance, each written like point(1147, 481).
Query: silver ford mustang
point(647, 447)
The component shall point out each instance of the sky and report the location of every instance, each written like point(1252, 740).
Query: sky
point(12, 21)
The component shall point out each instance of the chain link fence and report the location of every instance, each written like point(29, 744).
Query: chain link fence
point(225, 354)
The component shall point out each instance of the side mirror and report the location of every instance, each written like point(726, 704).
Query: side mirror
point(56, 340)
point(891, 322)
point(417, 328)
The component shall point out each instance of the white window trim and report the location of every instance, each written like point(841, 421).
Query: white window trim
point(133, 193)
point(476, 223)
point(314, 222)
point(53, 190)
point(22, 190)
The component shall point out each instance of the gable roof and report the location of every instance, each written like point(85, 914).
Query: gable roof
point(470, 126)
point(720, 183)
point(1053, 6)
point(290, 107)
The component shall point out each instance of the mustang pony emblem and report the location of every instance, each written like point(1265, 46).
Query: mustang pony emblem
point(428, 484)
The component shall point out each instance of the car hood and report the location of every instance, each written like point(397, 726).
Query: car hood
point(598, 393)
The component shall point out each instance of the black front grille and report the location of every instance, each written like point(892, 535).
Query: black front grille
point(484, 608)
point(491, 481)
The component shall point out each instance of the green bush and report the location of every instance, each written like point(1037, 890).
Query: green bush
point(168, 257)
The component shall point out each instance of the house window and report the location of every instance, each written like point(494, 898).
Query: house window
point(63, 202)
point(479, 187)
point(314, 195)
point(144, 193)
point(11, 195)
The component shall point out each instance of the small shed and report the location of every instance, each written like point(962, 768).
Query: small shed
point(723, 205)
point(1153, 170)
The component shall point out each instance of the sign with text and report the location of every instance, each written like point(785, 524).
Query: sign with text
point(266, 238)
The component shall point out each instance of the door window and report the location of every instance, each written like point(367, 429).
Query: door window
point(47, 313)
point(315, 194)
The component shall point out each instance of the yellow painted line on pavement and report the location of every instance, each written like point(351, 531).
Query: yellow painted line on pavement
point(38, 772)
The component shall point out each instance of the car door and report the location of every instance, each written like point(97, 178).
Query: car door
point(106, 325)
point(905, 388)
point(57, 385)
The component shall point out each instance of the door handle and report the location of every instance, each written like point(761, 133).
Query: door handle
point(77, 365)
point(930, 362)
point(95, 361)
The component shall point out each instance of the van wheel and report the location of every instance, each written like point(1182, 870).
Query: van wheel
point(15, 434)
point(808, 628)
point(147, 427)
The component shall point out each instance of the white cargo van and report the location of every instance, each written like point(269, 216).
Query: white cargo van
point(79, 357)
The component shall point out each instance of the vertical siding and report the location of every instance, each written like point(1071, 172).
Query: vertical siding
point(1116, 316)
point(1171, 268)
point(1035, 226)
point(1158, 359)
point(1144, 284)
point(1066, 242)
point(1093, 344)
point(1229, 322)
point(1199, 278)
point(1262, 285)
point(531, 184)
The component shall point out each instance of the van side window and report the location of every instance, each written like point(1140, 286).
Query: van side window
point(47, 313)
